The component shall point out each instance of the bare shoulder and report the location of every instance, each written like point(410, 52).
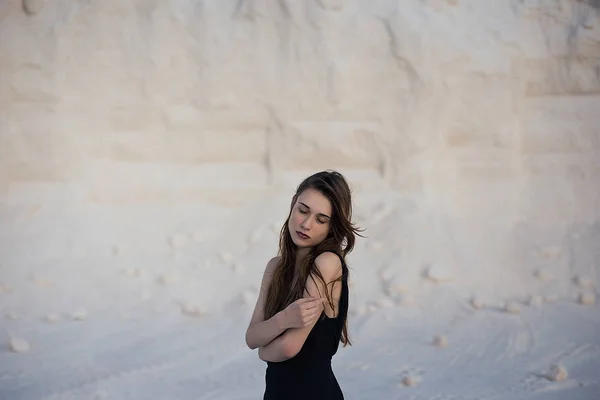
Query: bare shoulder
point(329, 265)
point(272, 264)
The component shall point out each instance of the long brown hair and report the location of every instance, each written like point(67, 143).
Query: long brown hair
point(288, 282)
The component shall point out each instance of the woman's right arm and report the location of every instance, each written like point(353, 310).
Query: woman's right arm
point(261, 332)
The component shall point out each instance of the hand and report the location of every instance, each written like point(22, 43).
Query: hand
point(303, 312)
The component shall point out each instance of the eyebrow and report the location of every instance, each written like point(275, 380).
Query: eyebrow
point(321, 214)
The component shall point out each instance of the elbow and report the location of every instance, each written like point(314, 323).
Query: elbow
point(249, 342)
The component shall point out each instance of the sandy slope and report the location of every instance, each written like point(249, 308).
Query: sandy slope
point(164, 296)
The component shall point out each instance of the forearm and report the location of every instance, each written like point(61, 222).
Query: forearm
point(274, 351)
point(262, 333)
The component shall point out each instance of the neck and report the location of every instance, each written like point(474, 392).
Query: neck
point(301, 253)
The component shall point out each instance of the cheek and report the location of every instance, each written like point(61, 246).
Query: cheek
point(324, 231)
point(295, 219)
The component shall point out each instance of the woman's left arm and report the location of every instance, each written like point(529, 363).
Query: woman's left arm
point(288, 344)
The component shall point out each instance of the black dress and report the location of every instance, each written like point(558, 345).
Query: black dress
point(308, 375)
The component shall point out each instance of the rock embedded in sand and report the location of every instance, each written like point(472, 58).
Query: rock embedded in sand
point(512, 307)
point(439, 273)
point(587, 299)
point(178, 241)
point(406, 299)
point(249, 297)
point(385, 302)
point(550, 251)
point(583, 281)
point(255, 236)
point(440, 341)
point(33, 6)
point(375, 246)
point(52, 318)
point(276, 227)
point(394, 285)
point(168, 279)
point(5, 289)
point(410, 380)
point(332, 5)
point(542, 274)
point(198, 237)
point(476, 303)
point(116, 251)
point(12, 315)
point(361, 310)
point(18, 345)
point(557, 373)
point(191, 310)
point(226, 257)
point(79, 315)
point(550, 298)
point(535, 301)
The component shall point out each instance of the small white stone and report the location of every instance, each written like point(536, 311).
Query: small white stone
point(238, 268)
point(198, 237)
point(79, 315)
point(276, 227)
point(543, 275)
point(12, 315)
point(410, 380)
point(168, 279)
point(249, 297)
point(557, 373)
point(536, 301)
point(406, 299)
point(18, 345)
point(52, 317)
point(439, 273)
point(587, 299)
point(40, 281)
point(511, 307)
point(361, 310)
point(191, 310)
point(551, 251)
point(226, 257)
point(101, 395)
point(385, 302)
point(145, 295)
point(332, 5)
point(78, 253)
point(550, 298)
point(440, 341)
point(476, 303)
point(178, 241)
point(395, 285)
point(116, 251)
point(375, 246)
point(33, 6)
point(583, 281)
point(134, 272)
point(387, 273)
point(255, 236)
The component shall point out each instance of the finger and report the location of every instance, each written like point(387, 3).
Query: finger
point(312, 306)
point(315, 312)
point(306, 300)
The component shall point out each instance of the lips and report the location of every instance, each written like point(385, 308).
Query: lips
point(302, 235)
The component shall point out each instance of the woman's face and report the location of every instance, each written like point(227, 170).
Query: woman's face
point(309, 222)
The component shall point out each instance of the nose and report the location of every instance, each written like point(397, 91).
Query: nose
point(306, 224)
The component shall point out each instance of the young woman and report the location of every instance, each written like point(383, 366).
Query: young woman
point(300, 314)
